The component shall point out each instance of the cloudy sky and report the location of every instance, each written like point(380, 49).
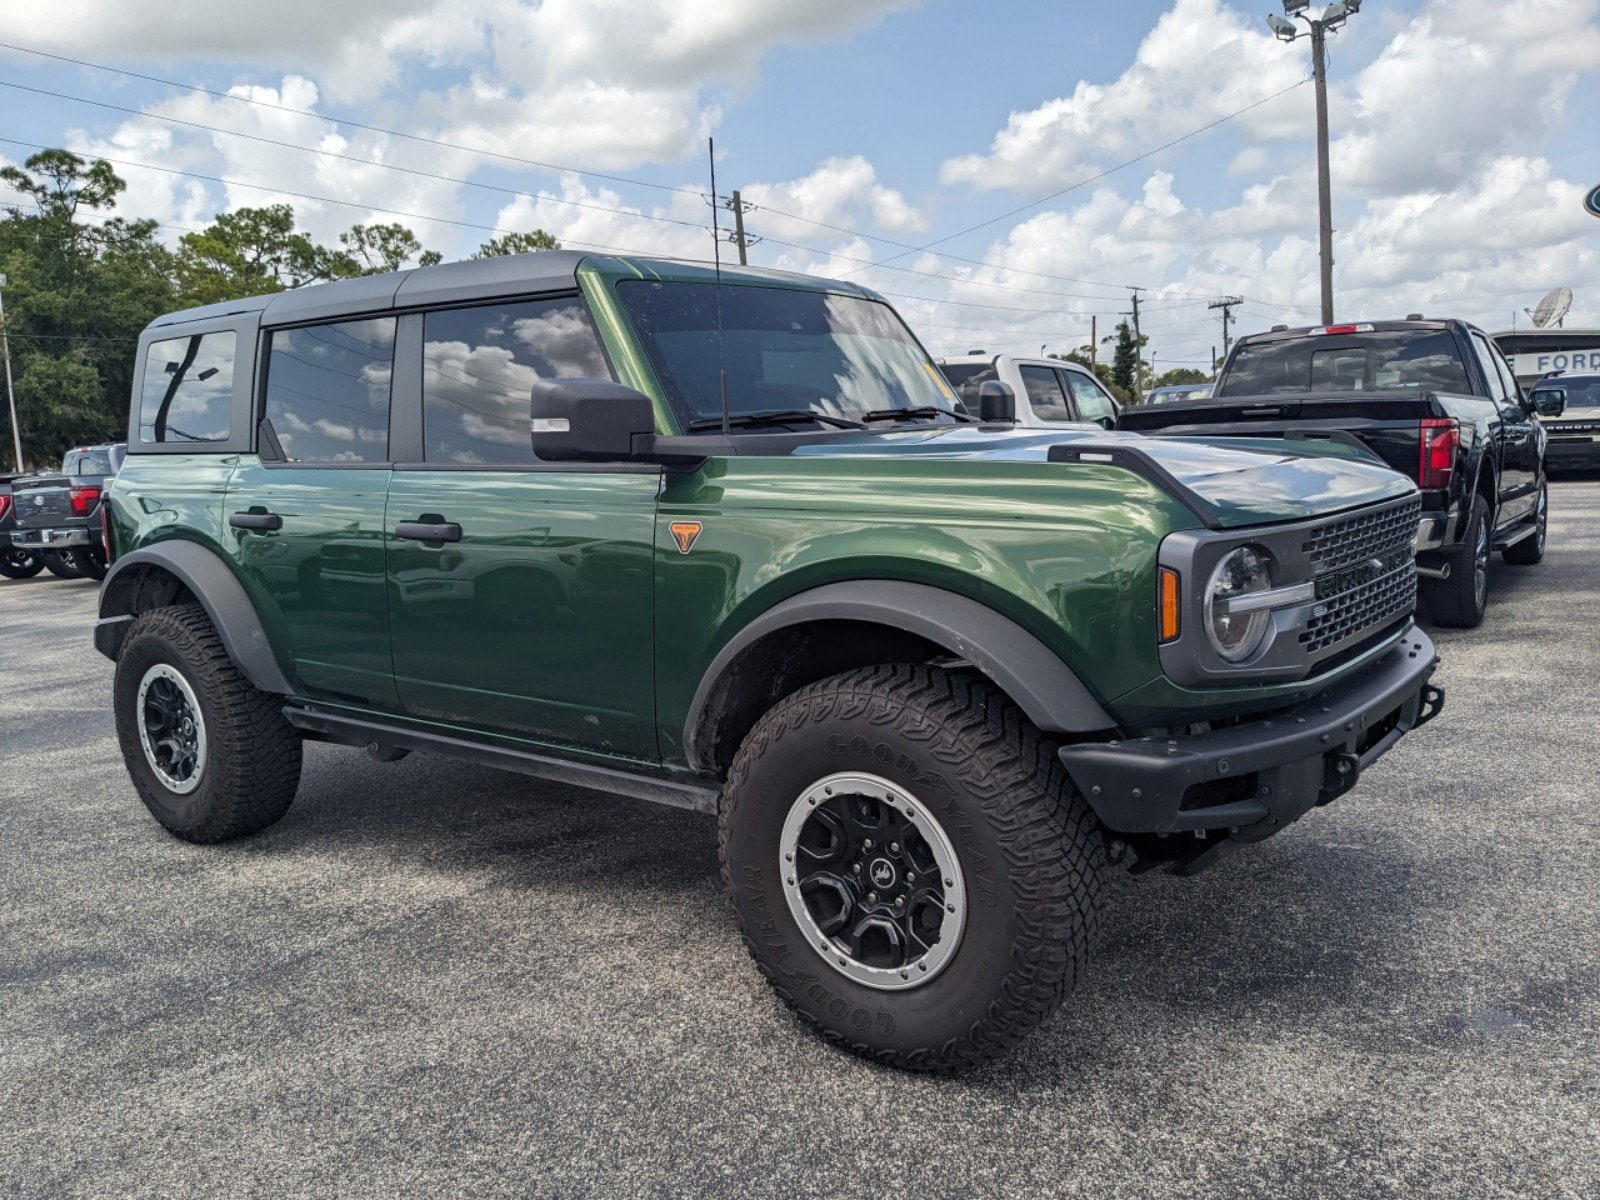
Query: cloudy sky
point(998, 169)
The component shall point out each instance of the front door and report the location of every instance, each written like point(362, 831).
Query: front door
point(1518, 437)
point(521, 592)
point(307, 515)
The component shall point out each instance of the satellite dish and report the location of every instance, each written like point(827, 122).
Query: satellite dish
point(1552, 310)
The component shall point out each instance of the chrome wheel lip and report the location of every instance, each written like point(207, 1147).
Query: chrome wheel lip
point(147, 740)
point(1541, 519)
point(920, 971)
point(1480, 567)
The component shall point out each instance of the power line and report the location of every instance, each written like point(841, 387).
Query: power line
point(1101, 175)
point(302, 112)
point(350, 158)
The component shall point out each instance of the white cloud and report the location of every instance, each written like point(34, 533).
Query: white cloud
point(838, 192)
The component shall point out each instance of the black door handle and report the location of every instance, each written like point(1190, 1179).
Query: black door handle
point(428, 531)
point(256, 520)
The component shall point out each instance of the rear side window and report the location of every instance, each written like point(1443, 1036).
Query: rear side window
point(479, 367)
point(187, 394)
point(1045, 394)
point(328, 391)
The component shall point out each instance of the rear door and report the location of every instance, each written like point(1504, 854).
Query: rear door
point(308, 513)
point(521, 591)
point(1045, 394)
point(1517, 437)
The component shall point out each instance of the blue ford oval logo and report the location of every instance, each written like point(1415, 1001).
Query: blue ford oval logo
point(1591, 202)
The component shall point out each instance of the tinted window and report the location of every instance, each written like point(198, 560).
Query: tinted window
point(479, 366)
point(780, 350)
point(1093, 403)
point(1045, 394)
point(95, 460)
point(1491, 373)
point(967, 379)
point(1402, 360)
point(328, 391)
point(188, 389)
point(1581, 393)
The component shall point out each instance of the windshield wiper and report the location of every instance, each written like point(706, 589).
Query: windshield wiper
point(915, 414)
point(792, 416)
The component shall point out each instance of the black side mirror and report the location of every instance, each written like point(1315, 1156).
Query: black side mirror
point(1550, 403)
point(590, 420)
point(997, 402)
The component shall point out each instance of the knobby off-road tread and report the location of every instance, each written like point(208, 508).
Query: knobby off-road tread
point(253, 767)
point(1050, 837)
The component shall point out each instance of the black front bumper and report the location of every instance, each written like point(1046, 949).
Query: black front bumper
point(1571, 454)
point(1246, 782)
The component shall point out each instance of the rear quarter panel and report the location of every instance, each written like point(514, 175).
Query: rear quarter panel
point(159, 496)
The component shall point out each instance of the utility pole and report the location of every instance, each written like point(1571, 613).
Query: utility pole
point(1138, 346)
point(1226, 304)
point(11, 396)
point(1332, 17)
point(739, 239)
point(1094, 342)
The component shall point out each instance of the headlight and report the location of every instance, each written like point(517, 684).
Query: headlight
point(1236, 636)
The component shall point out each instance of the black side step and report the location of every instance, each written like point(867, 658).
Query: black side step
point(352, 731)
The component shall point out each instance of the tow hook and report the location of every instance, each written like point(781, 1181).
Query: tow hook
point(1432, 704)
point(1339, 776)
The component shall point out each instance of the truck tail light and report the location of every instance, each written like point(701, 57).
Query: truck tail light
point(5, 503)
point(1169, 604)
point(84, 498)
point(1441, 437)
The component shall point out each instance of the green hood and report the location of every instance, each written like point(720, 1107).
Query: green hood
point(1240, 486)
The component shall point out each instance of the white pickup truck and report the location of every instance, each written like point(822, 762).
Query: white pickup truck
point(1049, 391)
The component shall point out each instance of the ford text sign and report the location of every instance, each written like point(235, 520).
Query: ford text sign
point(1542, 362)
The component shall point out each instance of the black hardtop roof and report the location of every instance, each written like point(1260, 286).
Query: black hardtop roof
point(475, 279)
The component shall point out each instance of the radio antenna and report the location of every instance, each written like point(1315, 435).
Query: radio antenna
point(716, 258)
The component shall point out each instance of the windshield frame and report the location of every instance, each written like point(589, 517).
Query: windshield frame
point(908, 378)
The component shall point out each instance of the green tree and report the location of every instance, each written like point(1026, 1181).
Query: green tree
point(517, 243)
point(377, 249)
point(247, 252)
point(1126, 362)
point(1181, 375)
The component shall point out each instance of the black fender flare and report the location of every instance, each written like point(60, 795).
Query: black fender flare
point(1044, 687)
point(213, 583)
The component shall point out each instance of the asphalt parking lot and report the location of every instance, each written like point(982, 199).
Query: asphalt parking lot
point(431, 979)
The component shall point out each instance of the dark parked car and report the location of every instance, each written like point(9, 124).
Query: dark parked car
point(1435, 400)
point(15, 563)
point(1570, 409)
point(58, 516)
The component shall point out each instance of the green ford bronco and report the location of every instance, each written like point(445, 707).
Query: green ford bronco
point(725, 540)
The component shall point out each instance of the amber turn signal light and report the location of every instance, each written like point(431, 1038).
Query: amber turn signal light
point(1169, 604)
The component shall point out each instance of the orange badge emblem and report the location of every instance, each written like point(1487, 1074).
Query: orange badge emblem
point(685, 533)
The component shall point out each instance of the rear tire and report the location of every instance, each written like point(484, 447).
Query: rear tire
point(1460, 601)
point(1530, 550)
point(211, 756)
point(61, 564)
point(949, 771)
point(20, 564)
point(91, 562)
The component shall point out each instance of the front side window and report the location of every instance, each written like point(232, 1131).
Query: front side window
point(1093, 403)
point(479, 367)
point(187, 395)
point(328, 391)
point(781, 350)
point(1046, 396)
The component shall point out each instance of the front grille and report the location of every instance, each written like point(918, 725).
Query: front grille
point(1363, 537)
point(1367, 606)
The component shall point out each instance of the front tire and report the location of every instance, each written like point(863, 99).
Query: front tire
point(20, 564)
point(941, 942)
point(211, 756)
point(1460, 601)
point(1530, 550)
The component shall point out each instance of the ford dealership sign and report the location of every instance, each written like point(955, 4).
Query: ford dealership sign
point(1536, 363)
point(1591, 202)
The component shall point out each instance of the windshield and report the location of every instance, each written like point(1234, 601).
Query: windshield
point(1399, 360)
point(784, 350)
point(1581, 393)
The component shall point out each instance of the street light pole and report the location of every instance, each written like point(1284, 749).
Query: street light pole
point(1319, 74)
point(11, 396)
point(1332, 18)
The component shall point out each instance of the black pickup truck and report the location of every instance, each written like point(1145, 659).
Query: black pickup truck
point(1434, 400)
point(58, 516)
point(15, 563)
